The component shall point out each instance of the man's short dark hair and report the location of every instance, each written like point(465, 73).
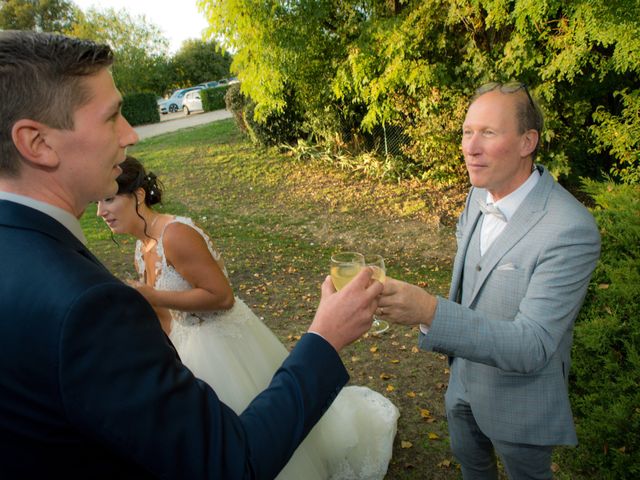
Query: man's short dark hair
point(40, 79)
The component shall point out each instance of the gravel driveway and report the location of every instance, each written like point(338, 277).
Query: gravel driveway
point(177, 121)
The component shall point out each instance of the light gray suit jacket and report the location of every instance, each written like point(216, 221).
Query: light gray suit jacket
point(513, 336)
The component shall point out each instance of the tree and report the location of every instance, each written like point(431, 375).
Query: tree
point(200, 61)
point(290, 50)
point(41, 15)
point(413, 64)
point(142, 64)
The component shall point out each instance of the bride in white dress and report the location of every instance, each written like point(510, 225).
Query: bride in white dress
point(225, 344)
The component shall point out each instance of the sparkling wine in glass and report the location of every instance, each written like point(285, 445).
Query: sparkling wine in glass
point(345, 266)
point(376, 263)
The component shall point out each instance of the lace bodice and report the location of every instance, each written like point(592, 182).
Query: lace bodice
point(168, 278)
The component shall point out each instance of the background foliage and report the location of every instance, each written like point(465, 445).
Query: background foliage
point(213, 98)
point(200, 61)
point(606, 354)
point(143, 63)
point(42, 15)
point(140, 108)
point(353, 65)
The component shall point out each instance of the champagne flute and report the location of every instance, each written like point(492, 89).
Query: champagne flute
point(376, 263)
point(345, 266)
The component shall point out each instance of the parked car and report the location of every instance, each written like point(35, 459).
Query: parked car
point(174, 102)
point(192, 101)
point(162, 108)
point(211, 84)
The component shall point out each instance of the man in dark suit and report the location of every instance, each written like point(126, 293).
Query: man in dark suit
point(90, 387)
point(519, 279)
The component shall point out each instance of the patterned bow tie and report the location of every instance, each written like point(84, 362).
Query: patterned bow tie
point(491, 209)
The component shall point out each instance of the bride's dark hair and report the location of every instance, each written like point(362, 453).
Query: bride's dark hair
point(134, 176)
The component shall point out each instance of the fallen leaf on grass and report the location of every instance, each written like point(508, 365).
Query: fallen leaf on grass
point(384, 376)
point(390, 388)
point(404, 444)
point(411, 394)
point(445, 464)
point(433, 436)
point(415, 349)
point(373, 349)
point(424, 413)
point(394, 361)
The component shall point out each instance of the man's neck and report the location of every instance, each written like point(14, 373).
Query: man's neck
point(44, 195)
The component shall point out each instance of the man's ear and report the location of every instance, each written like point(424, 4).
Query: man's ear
point(30, 138)
point(530, 140)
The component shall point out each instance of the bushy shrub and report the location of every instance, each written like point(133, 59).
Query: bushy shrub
point(140, 108)
point(278, 128)
point(213, 98)
point(236, 102)
point(605, 375)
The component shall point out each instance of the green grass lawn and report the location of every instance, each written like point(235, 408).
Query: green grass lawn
point(276, 222)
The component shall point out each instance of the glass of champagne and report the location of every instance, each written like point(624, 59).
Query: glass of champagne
point(376, 263)
point(345, 266)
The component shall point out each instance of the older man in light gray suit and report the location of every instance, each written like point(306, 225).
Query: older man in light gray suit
point(526, 251)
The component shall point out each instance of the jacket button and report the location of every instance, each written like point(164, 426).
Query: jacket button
point(478, 268)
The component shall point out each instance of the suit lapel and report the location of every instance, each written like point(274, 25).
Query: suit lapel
point(473, 213)
point(530, 212)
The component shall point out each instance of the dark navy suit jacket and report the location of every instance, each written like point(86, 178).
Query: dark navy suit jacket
point(90, 387)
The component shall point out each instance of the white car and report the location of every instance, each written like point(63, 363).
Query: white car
point(192, 101)
point(174, 102)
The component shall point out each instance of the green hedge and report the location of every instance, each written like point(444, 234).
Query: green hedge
point(140, 108)
point(213, 98)
point(605, 375)
point(278, 128)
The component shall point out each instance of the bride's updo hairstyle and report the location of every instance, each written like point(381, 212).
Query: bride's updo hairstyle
point(134, 176)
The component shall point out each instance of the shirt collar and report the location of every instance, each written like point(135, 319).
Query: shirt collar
point(70, 222)
point(509, 204)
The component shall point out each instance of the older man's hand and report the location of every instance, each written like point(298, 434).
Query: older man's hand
point(406, 304)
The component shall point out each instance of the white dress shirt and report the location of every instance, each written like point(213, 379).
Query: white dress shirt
point(493, 226)
point(70, 222)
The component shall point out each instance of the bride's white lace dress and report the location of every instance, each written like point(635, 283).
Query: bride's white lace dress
point(235, 353)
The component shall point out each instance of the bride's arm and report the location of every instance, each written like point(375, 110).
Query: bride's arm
point(187, 252)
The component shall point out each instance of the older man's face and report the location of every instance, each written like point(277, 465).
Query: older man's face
point(497, 155)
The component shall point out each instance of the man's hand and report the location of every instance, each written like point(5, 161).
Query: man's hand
point(342, 317)
point(406, 304)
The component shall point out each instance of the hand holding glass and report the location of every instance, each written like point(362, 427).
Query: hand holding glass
point(346, 265)
point(376, 262)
